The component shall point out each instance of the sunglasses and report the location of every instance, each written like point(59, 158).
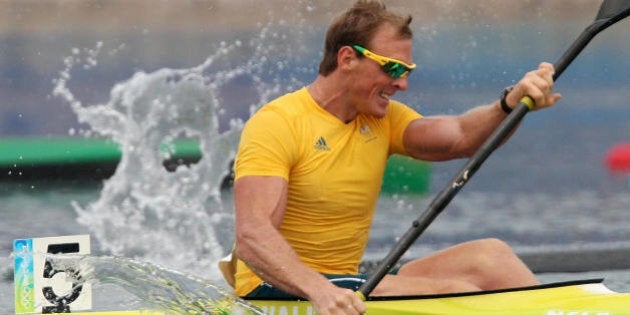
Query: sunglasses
point(394, 68)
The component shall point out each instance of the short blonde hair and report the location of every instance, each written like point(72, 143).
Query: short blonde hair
point(357, 26)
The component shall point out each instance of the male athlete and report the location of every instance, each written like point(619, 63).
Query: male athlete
point(310, 164)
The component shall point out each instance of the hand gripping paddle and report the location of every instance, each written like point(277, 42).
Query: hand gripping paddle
point(610, 12)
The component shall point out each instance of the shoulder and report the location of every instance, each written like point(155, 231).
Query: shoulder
point(284, 114)
point(288, 105)
point(397, 108)
point(397, 117)
point(400, 115)
point(281, 117)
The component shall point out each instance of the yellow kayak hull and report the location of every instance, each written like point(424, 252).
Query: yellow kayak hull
point(575, 298)
point(588, 297)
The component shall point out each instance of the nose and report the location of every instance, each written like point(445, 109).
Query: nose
point(401, 83)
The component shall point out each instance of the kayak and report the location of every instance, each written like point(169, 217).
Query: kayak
point(585, 297)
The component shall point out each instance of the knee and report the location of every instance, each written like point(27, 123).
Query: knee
point(493, 245)
point(492, 252)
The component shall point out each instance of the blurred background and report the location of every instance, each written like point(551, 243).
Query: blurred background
point(549, 187)
point(467, 52)
point(480, 45)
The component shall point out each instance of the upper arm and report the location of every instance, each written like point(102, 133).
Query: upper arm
point(259, 202)
point(434, 138)
point(262, 167)
point(448, 137)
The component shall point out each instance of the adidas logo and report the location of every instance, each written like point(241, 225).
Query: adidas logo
point(321, 145)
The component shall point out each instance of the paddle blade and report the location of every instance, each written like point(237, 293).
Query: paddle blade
point(613, 9)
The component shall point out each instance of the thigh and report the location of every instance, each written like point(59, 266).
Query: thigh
point(487, 263)
point(266, 290)
point(396, 285)
point(461, 261)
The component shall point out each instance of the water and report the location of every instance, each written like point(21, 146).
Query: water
point(545, 190)
point(530, 222)
point(143, 199)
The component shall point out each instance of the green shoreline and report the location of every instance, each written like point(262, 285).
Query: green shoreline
point(86, 158)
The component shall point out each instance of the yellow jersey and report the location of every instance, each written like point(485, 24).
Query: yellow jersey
point(334, 172)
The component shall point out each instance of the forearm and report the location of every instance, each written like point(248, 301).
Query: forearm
point(260, 202)
point(269, 255)
point(448, 137)
point(477, 125)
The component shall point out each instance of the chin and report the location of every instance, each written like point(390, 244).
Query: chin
point(380, 113)
point(382, 109)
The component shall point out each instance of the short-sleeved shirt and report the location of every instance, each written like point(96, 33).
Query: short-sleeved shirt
point(334, 172)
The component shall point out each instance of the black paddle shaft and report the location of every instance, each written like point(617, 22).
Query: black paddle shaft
point(610, 12)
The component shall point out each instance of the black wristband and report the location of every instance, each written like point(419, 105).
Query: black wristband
point(504, 106)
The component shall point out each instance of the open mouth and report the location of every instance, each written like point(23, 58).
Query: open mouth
point(385, 96)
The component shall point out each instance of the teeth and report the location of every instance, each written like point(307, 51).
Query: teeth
point(383, 95)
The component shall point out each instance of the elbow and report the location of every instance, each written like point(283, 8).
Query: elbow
point(242, 243)
point(239, 252)
point(463, 149)
point(246, 239)
point(467, 153)
point(456, 151)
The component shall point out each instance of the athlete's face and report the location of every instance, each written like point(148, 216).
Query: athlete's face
point(373, 87)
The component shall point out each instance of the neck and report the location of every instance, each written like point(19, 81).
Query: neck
point(331, 96)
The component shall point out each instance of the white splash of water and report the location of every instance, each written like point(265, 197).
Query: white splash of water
point(158, 288)
point(145, 211)
point(144, 285)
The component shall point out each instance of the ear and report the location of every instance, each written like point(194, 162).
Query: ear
point(346, 58)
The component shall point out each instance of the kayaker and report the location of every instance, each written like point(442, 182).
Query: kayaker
point(310, 164)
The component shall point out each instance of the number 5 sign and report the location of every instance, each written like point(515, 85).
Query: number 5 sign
point(45, 282)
